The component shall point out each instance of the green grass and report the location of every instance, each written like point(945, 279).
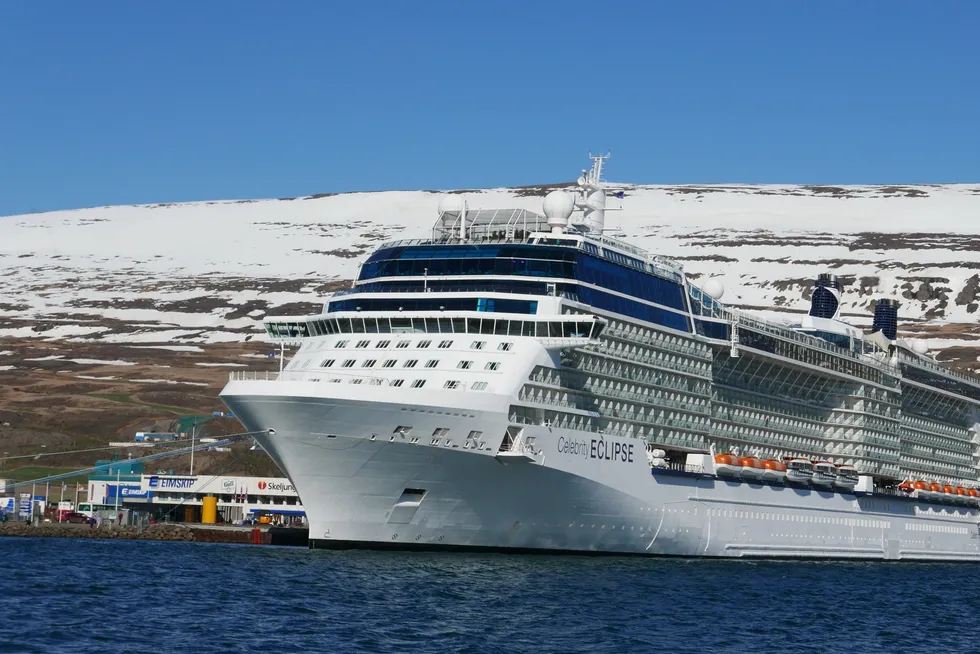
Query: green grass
point(125, 398)
point(28, 473)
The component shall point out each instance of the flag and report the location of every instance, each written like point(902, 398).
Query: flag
point(621, 195)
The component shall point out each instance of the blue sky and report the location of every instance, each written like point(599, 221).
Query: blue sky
point(132, 102)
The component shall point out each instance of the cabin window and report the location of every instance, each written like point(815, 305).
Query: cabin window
point(418, 383)
point(478, 386)
point(382, 344)
point(402, 344)
point(363, 343)
point(423, 344)
point(327, 363)
point(445, 344)
point(465, 365)
point(388, 364)
point(505, 347)
point(478, 345)
point(410, 363)
point(451, 384)
point(397, 382)
point(369, 363)
point(348, 363)
point(493, 365)
point(432, 363)
point(341, 344)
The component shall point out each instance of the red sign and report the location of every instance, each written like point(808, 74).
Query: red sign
point(261, 485)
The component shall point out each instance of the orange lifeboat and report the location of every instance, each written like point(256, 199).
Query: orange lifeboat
point(751, 467)
point(961, 496)
point(973, 492)
point(773, 470)
point(925, 490)
point(727, 465)
point(948, 490)
point(906, 487)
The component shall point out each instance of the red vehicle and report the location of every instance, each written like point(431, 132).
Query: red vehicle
point(78, 518)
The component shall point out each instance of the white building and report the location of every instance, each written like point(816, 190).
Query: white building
point(238, 497)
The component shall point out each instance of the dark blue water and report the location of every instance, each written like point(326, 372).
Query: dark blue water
point(109, 597)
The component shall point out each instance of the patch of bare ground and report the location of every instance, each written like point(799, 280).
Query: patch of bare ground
point(961, 358)
point(914, 241)
point(56, 405)
point(707, 257)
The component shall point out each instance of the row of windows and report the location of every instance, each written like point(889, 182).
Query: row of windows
point(638, 310)
point(505, 346)
point(409, 363)
point(471, 251)
point(434, 325)
point(534, 261)
point(435, 304)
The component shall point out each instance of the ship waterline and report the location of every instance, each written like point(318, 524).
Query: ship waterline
point(518, 382)
point(572, 493)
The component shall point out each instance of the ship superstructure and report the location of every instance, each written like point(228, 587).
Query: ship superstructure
point(524, 381)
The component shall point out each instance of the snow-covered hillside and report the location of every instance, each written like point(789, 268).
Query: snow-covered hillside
point(206, 271)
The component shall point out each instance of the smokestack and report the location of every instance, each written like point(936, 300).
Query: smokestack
point(886, 318)
point(825, 302)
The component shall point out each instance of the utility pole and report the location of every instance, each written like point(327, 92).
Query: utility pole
point(193, 433)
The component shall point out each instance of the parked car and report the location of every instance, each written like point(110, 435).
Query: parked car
point(77, 518)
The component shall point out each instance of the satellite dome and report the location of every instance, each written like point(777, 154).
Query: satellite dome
point(452, 204)
point(558, 206)
point(714, 289)
point(919, 347)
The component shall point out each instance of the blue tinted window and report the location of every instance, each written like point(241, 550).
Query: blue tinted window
point(710, 329)
point(634, 309)
point(633, 282)
point(434, 304)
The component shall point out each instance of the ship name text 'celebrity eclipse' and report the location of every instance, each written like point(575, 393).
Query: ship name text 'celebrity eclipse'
point(527, 382)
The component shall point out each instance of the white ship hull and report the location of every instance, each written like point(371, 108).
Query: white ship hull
point(363, 485)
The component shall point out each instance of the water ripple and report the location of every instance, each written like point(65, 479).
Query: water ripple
point(117, 597)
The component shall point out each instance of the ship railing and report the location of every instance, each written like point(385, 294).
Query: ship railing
point(253, 375)
point(787, 333)
point(935, 366)
point(332, 376)
point(476, 288)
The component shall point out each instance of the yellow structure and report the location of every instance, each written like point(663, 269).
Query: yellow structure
point(209, 509)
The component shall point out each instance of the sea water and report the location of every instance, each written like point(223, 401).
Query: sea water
point(148, 597)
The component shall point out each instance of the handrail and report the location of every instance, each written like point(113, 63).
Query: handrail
point(804, 339)
point(935, 366)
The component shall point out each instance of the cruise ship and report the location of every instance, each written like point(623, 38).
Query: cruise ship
point(529, 382)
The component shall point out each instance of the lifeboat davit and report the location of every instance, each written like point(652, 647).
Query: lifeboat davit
point(799, 471)
point(847, 477)
point(932, 491)
point(824, 474)
point(922, 490)
point(973, 495)
point(727, 465)
point(961, 495)
point(751, 467)
point(773, 470)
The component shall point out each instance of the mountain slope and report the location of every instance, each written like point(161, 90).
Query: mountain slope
point(208, 271)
